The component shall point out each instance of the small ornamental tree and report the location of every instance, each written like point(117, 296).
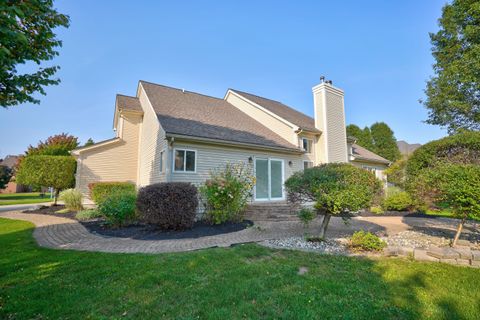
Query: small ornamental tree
point(335, 188)
point(396, 173)
point(455, 185)
point(48, 171)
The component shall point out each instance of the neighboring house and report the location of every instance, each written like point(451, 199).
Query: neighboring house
point(12, 187)
point(406, 149)
point(165, 134)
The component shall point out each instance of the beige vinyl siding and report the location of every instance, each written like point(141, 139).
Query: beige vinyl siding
point(279, 127)
point(152, 142)
point(321, 143)
point(112, 162)
point(379, 168)
point(312, 156)
point(211, 157)
point(335, 126)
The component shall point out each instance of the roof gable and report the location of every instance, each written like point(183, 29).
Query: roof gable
point(288, 113)
point(197, 115)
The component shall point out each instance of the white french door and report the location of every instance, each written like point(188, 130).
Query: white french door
point(269, 176)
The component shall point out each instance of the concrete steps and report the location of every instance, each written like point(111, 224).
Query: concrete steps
point(270, 211)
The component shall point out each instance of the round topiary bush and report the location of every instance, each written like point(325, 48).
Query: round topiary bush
point(170, 206)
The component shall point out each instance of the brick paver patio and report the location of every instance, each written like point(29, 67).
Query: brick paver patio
point(62, 233)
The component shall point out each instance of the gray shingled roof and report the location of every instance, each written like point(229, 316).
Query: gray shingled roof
point(128, 103)
point(297, 118)
point(10, 161)
point(193, 114)
point(361, 153)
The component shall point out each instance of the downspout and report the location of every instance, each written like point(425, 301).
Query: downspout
point(170, 160)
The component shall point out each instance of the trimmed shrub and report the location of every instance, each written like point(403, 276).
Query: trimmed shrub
point(335, 188)
point(376, 210)
point(306, 215)
point(47, 171)
point(366, 241)
point(170, 206)
point(99, 191)
point(88, 214)
point(118, 207)
point(462, 148)
point(227, 193)
point(72, 199)
point(397, 200)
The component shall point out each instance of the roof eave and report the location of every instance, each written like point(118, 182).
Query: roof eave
point(370, 160)
point(235, 143)
point(76, 152)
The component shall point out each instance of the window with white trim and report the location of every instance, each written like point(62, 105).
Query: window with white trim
point(162, 161)
point(307, 164)
point(307, 145)
point(371, 169)
point(185, 160)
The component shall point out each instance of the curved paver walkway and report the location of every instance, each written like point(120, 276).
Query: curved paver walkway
point(62, 233)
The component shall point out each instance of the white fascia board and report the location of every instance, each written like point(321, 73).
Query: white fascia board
point(288, 123)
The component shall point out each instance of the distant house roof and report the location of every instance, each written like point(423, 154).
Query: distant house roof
point(128, 103)
point(360, 153)
point(288, 113)
point(192, 114)
point(10, 161)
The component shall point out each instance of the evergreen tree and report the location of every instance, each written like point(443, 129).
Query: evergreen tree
point(384, 141)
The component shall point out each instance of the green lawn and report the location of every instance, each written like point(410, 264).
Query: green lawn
point(245, 281)
point(23, 198)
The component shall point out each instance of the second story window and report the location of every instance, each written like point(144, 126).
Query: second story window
point(307, 145)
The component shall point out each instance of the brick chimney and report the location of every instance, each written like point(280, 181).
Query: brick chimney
point(330, 119)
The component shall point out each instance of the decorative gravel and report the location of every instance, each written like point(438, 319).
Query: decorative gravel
point(415, 239)
point(331, 246)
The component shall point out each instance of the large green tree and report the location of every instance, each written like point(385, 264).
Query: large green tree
point(384, 141)
point(362, 136)
point(378, 138)
point(453, 92)
point(27, 35)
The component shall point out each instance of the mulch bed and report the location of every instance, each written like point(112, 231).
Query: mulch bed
point(51, 210)
point(143, 231)
point(148, 232)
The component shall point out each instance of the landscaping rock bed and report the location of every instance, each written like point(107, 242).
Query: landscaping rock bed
point(330, 246)
point(142, 231)
point(434, 238)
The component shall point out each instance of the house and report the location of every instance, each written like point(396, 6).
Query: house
point(165, 134)
point(10, 162)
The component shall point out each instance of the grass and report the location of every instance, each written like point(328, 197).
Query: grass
point(446, 214)
point(246, 281)
point(23, 198)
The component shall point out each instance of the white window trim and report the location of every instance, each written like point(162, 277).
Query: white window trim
point(311, 145)
point(184, 161)
point(163, 167)
point(269, 198)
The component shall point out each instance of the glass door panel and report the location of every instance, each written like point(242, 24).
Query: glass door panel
point(261, 172)
point(276, 174)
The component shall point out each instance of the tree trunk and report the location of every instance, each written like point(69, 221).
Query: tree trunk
point(323, 227)
point(459, 231)
point(56, 197)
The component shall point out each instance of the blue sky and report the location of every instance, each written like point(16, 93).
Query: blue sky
point(377, 51)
